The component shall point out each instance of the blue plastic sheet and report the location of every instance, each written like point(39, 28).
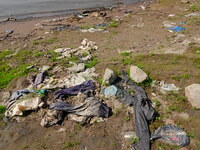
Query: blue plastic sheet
point(176, 29)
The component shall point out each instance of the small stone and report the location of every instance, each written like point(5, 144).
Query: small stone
point(192, 92)
point(109, 76)
point(184, 1)
point(137, 74)
point(61, 130)
point(45, 68)
point(153, 94)
point(130, 135)
point(77, 67)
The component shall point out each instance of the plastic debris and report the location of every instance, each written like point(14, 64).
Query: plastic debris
point(171, 134)
point(177, 29)
point(81, 88)
point(91, 107)
point(51, 118)
point(143, 111)
point(168, 24)
point(39, 78)
point(110, 91)
point(19, 107)
point(169, 87)
point(16, 95)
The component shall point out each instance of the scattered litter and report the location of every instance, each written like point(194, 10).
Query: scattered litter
point(142, 7)
point(92, 30)
point(130, 135)
point(181, 23)
point(177, 29)
point(110, 91)
point(171, 15)
point(91, 107)
point(19, 107)
point(192, 14)
point(143, 112)
point(86, 46)
point(51, 118)
point(84, 87)
point(39, 78)
point(9, 19)
point(16, 95)
point(168, 87)
point(171, 134)
point(58, 19)
point(7, 33)
point(101, 25)
point(168, 24)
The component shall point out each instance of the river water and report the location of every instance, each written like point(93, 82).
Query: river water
point(35, 8)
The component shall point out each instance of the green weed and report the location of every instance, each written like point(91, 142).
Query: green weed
point(134, 140)
point(125, 53)
point(114, 23)
point(195, 7)
point(94, 61)
point(7, 73)
point(127, 61)
point(4, 53)
point(178, 78)
point(127, 118)
point(70, 144)
point(2, 111)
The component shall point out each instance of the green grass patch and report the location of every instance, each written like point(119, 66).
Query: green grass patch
point(127, 61)
point(2, 111)
point(125, 54)
point(14, 66)
point(45, 41)
point(4, 53)
point(195, 7)
point(178, 78)
point(114, 23)
point(73, 59)
point(134, 140)
point(7, 74)
point(71, 144)
point(94, 61)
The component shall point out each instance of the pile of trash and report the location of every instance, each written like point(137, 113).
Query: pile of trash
point(88, 106)
point(85, 48)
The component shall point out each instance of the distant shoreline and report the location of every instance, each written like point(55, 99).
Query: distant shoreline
point(41, 14)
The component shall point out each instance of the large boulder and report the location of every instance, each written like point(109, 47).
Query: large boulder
point(192, 92)
point(137, 74)
point(109, 76)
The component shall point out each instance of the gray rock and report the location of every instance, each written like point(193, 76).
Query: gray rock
point(77, 67)
point(137, 74)
point(192, 92)
point(109, 76)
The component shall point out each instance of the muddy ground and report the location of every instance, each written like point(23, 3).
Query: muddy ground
point(170, 56)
